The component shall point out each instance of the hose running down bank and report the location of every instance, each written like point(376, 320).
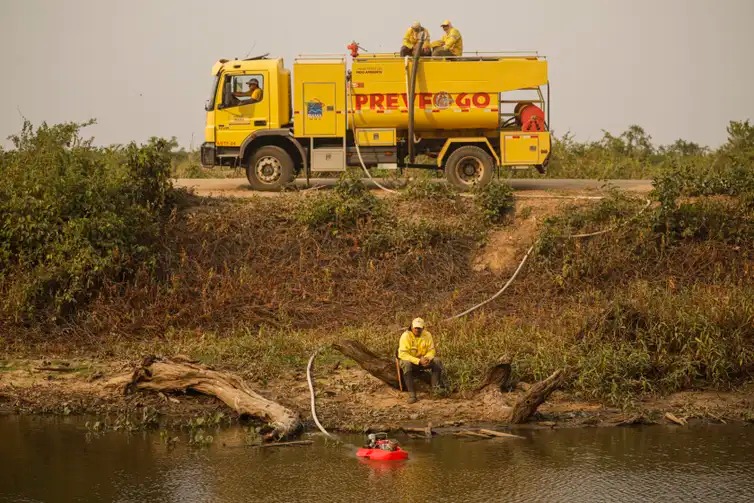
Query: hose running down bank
point(311, 392)
point(531, 249)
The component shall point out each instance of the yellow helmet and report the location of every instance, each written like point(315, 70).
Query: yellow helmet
point(445, 23)
point(417, 323)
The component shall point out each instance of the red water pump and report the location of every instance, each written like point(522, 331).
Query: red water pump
point(530, 117)
point(381, 448)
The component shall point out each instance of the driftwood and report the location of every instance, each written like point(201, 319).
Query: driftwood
point(485, 434)
point(475, 434)
point(427, 432)
point(499, 434)
point(532, 399)
point(178, 376)
point(675, 419)
point(295, 443)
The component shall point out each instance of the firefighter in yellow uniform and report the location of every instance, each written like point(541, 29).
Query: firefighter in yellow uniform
point(451, 43)
point(412, 37)
point(416, 352)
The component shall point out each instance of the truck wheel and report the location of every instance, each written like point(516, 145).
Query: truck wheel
point(469, 166)
point(270, 168)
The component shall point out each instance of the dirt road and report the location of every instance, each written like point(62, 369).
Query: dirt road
point(238, 187)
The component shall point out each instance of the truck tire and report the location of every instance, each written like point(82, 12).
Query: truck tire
point(270, 168)
point(469, 166)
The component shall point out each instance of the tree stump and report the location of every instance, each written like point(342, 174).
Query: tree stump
point(179, 376)
point(532, 399)
point(498, 375)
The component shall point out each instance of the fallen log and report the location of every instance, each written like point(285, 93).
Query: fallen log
point(295, 443)
point(385, 370)
point(675, 419)
point(499, 434)
point(164, 375)
point(382, 368)
point(427, 432)
point(532, 399)
point(469, 433)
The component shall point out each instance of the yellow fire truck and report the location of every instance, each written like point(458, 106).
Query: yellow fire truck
point(464, 115)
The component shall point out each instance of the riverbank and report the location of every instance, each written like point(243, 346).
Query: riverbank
point(348, 400)
point(650, 320)
point(635, 299)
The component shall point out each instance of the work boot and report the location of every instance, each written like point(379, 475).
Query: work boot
point(408, 380)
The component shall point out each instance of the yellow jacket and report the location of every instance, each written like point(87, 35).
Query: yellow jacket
point(452, 41)
point(412, 348)
point(411, 38)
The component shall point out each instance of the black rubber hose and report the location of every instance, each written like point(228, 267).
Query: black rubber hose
point(411, 93)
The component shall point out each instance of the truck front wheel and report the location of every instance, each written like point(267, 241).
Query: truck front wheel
point(270, 168)
point(469, 166)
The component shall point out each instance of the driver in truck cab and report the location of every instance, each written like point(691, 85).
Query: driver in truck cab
point(254, 92)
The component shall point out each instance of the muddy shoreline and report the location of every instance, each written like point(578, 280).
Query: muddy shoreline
point(348, 400)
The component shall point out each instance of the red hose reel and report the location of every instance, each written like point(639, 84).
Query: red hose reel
point(529, 117)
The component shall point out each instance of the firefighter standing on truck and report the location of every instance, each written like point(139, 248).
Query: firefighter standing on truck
point(412, 37)
point(451, 43)
point(416, 352)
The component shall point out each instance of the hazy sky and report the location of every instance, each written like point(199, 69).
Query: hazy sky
point(679, 68)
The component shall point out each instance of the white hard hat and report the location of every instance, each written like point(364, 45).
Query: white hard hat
point(417, 323)
point(416, 25)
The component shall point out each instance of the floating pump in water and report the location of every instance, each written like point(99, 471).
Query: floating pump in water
point(381, 448)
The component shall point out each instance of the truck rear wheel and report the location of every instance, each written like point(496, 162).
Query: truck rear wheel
point(270, 168)
point(469, 166)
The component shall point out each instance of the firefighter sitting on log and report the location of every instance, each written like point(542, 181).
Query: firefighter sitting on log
point(416, 352)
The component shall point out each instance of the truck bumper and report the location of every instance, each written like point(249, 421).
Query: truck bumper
point(208, 155)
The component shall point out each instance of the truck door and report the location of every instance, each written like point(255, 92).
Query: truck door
point(245, 107)
point(319, 107)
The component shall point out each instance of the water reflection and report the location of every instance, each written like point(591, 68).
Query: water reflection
point(54, 460)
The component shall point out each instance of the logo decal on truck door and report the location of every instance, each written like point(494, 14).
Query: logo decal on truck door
point(314, 109)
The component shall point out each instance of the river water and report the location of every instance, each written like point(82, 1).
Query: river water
point(50, 460)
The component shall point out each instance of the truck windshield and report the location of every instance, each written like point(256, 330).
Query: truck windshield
point(211, 101)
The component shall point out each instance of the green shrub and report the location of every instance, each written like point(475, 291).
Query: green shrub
point(73, 216)
point(349, 205)
point(654, 340)
point(424, 187)
point(494, 201)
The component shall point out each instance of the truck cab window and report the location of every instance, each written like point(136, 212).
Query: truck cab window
point(243, 90)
